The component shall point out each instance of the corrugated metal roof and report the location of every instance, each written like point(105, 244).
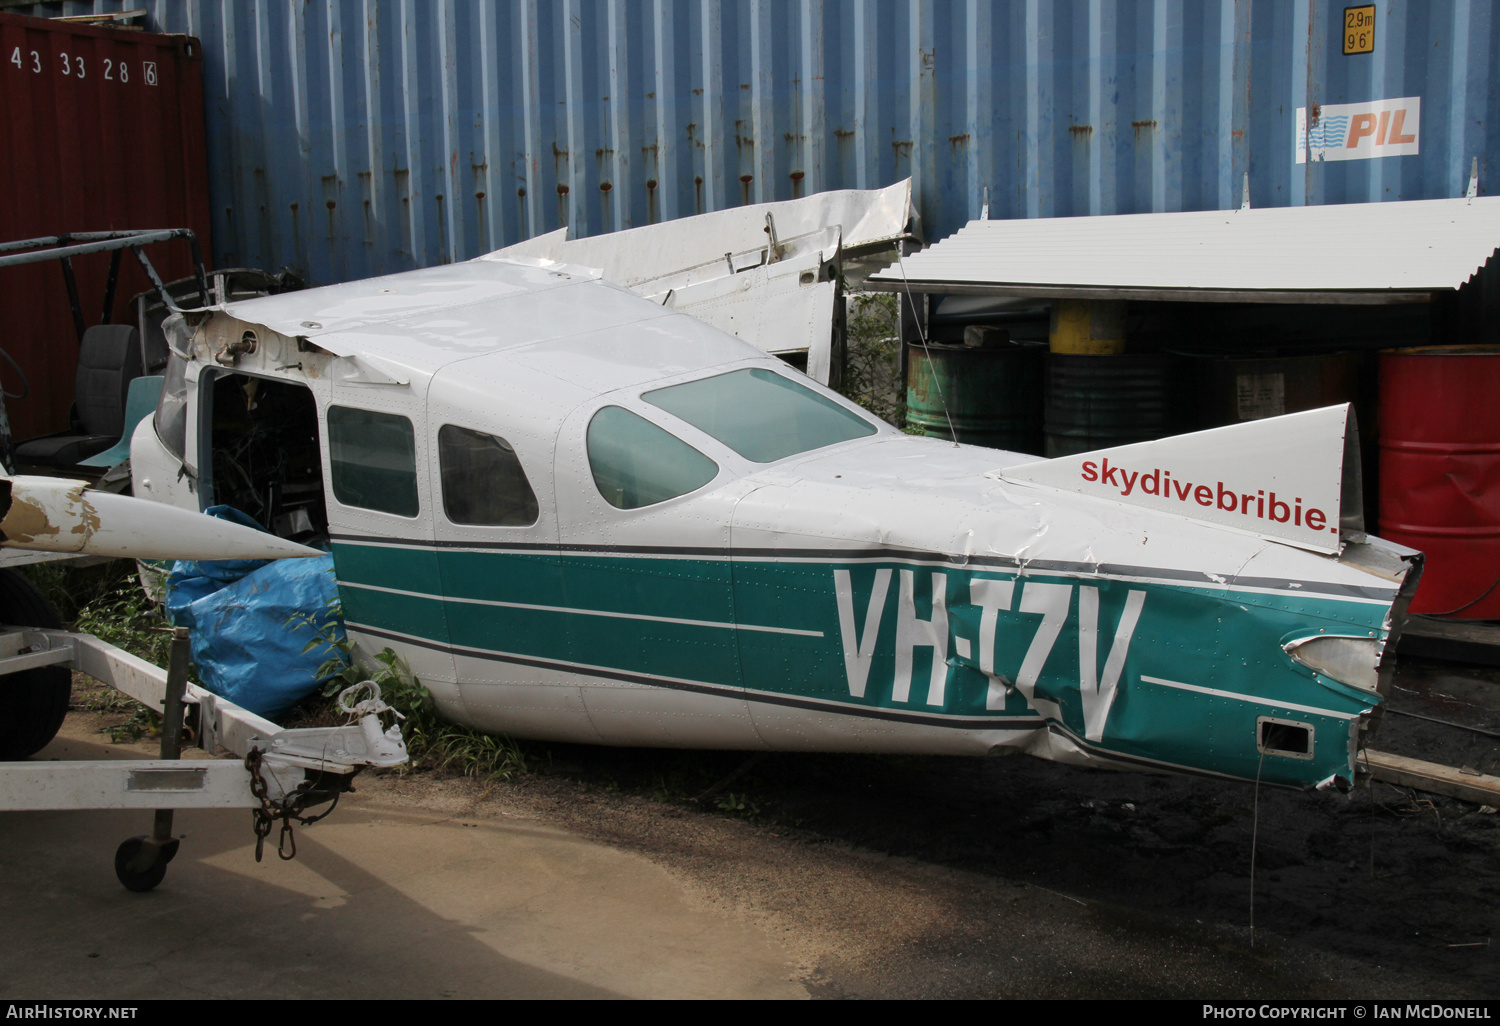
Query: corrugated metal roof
point(1357, 253)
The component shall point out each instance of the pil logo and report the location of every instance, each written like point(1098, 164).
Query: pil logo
point(1376, 124)
point(1359, 131)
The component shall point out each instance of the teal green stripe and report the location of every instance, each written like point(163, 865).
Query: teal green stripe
point(1216, 638)
point(391, 567)
point(403, 614)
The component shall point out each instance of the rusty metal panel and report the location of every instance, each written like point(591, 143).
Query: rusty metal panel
point(103, 129)
point(354, 137)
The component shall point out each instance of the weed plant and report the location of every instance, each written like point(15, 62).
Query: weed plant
point(872, 367)
point(432, 743)
point(124, 616)
point(739, 805)
point(70, 588)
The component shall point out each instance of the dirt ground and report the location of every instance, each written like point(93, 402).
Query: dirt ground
point(932, 877)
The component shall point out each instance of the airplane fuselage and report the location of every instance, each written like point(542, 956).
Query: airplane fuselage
point(964, 633)
point(554, 500)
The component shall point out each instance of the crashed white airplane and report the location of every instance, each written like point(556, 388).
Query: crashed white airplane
point(583, 516)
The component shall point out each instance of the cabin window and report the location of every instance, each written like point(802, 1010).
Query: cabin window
point(635, 463)
point(171, 408)
point(374, 458)
point(760, 414)
point(483, 483)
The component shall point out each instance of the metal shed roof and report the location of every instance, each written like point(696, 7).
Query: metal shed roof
point(1352, 253)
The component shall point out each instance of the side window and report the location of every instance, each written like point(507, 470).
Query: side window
point(171, 408)
point(635, 463)
point(374, 458)
point(483, 483)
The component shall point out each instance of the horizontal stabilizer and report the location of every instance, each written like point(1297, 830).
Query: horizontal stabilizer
point(50, 514)
point(1294, 479)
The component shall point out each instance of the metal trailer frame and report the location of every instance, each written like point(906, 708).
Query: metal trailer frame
point(280, 773)
point(63, 248)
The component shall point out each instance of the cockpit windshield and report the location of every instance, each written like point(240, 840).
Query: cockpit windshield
point(760, 414)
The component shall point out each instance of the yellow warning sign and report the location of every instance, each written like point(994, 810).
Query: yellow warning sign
point(1359, 29)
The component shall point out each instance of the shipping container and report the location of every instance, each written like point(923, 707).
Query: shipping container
point(103, 129)
point(354, 137)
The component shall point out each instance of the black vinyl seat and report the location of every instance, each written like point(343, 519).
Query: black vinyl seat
point(109, 357)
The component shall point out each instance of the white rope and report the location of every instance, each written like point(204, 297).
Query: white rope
point(1254, 837)
point(366, 706)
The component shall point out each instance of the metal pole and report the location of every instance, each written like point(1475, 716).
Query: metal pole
point(171, 721)
point(72, 282)
point(161, 290)
point(141, 862)
point(30, 251)
point(109, 287)
point(197, 251)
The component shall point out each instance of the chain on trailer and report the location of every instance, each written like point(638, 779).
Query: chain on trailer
point(288, 810)
point(322, 787)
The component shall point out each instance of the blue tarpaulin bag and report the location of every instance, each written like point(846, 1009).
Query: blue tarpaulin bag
point(237, 609)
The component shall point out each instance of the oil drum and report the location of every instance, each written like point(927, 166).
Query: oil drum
point(989, 391)
point(1440, 472)
point(1094, 402)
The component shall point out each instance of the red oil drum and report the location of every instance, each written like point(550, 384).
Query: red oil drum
point(1440, 472)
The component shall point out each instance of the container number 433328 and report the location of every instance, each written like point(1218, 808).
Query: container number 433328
point(75, 66)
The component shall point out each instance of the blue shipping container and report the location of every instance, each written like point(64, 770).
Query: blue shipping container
point(349, 138)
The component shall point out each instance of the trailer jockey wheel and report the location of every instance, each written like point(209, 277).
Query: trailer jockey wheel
point(141, 864)
point(32, 702)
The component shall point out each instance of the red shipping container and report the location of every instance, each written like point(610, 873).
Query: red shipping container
point(102, 130)
point(1440, 473)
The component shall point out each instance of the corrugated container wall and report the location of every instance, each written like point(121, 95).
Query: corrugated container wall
point(353, 137)
point(102, 129)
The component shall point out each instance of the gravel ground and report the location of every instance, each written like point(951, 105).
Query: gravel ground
point(946, 877)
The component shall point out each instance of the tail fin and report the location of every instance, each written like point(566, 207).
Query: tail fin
point(1293, 479)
